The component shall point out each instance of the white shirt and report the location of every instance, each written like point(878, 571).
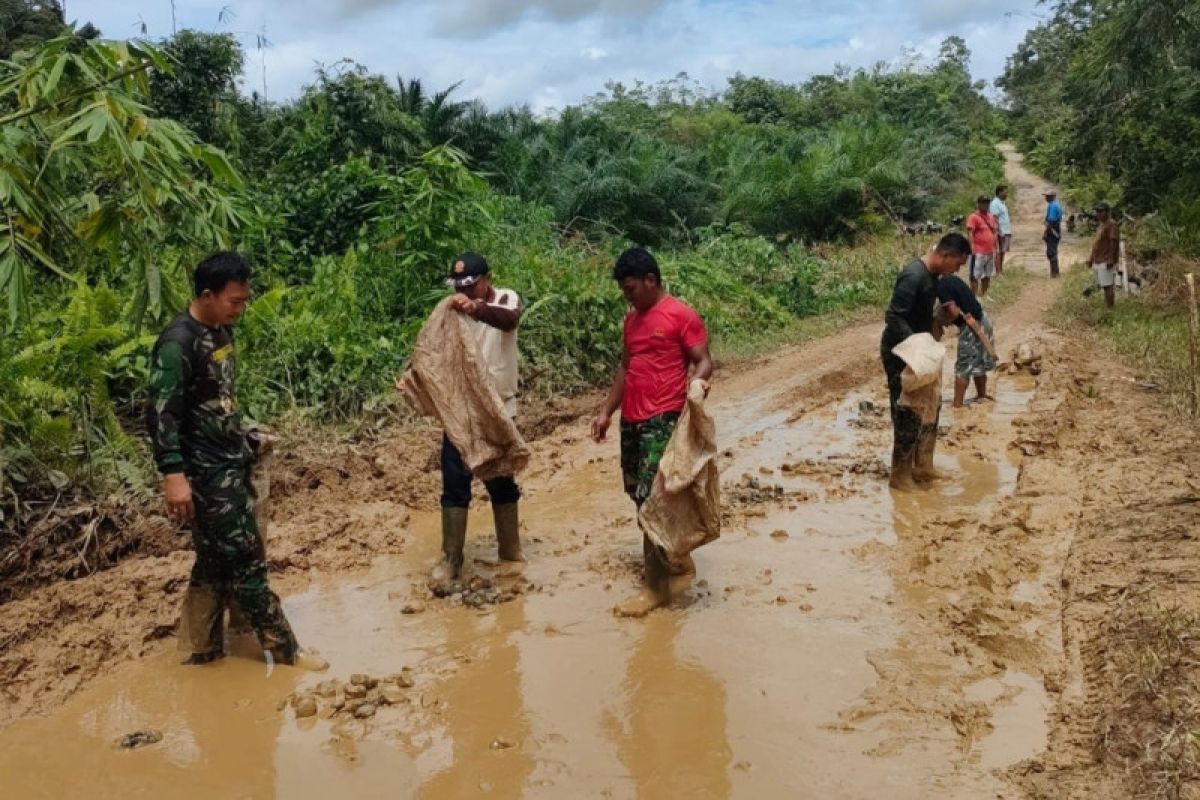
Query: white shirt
point(498, 350)
point(999, 210)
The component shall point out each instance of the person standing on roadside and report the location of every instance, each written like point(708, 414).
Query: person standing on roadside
point(665, 348)
point(999, 210)
point(912, 310)
point(205, 456)
point(981, 226)
point(1052, 234)
point(1106, 252)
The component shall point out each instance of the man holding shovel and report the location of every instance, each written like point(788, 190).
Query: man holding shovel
point(976, 353)
point(912, 311)
point(665, 349)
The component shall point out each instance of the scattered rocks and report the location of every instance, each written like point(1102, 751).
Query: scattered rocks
point(132, 741)
point(360, 697)
point(476, 592)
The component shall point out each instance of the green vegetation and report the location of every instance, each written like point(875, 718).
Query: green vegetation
point(1151, 332)
point(1105, 99)
point(126, 162)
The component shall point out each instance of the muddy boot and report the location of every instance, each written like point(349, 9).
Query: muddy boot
point(454, 538)
point(923, 470)
point(508, 532)
point(902, 467)
point(202, 624)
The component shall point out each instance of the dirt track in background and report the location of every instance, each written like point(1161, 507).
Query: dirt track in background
point(841, 641)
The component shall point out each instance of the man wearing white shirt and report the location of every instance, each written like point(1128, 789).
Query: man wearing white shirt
point(999, 210)
point(495, 314)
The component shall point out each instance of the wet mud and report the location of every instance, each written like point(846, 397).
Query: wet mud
point(840, 640)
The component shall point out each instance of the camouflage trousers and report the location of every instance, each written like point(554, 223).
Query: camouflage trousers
point(230, 569)
point(642, 448)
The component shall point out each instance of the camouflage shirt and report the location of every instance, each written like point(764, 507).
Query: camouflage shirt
point(193, 419)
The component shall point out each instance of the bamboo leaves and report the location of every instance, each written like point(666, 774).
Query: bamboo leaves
point(91, 184)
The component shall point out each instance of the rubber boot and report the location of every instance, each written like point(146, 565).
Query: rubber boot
point(902, 467)
point(454, 537)
point(202, 624)
point(508, 532)
point(923, 470)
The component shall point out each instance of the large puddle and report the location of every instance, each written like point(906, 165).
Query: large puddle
point(735, 692)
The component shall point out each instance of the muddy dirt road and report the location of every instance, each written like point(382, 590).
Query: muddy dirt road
point(841, 640)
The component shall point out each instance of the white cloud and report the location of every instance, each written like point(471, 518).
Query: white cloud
point(550, 53)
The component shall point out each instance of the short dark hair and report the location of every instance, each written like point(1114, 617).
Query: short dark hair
point(954, 244)
point(1000, 188)
point(636, 262)
point(983, 198)
point(219, 270)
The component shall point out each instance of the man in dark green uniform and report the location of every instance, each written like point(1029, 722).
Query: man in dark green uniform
point(205, 456)
point(912, 311)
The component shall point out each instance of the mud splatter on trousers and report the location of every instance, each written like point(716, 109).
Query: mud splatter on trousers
point(909, 434)
point(230, 569)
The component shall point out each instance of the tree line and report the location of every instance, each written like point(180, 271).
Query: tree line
point(126, 161)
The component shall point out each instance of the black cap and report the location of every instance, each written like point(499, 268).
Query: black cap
point(1102, 206)
point(467, 269)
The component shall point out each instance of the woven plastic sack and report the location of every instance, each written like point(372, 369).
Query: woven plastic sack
point(683, 511)
point(447, 380)
point(921, 381)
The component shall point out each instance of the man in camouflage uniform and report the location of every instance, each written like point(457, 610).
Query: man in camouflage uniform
point(205, 455)
point(665, 348)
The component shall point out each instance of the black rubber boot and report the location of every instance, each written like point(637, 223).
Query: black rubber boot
point(923, 471)
point(454, 538)
point(508, 532)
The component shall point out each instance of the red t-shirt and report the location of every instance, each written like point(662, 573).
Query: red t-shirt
point(983, 233)
point(656, 343)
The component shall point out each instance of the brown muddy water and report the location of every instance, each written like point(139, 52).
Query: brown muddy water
point(741, 689)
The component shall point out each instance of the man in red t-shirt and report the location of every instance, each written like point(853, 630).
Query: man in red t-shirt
point(665, 348)
point(981, 225)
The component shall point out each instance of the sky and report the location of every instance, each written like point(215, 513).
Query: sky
point(553, 53)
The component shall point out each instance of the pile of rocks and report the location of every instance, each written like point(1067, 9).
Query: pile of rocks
point(361, 696)
point(475, 592)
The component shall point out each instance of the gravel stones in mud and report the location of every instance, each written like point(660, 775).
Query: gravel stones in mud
point(476, 591)
point(360, 697)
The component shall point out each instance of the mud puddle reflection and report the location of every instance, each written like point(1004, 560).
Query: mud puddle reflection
point(736, 691)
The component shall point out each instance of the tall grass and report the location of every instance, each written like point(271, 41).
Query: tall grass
point(1151, 337)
